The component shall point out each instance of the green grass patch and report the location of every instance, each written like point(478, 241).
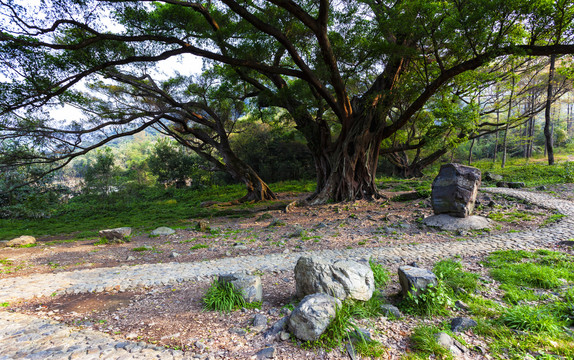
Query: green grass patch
point(453, 277)
point(142, 248)
point(531, 318)
point(199, 246)
point(552, 219)
point(143, 208)
point(224, 297)
point(424, 342)
point(511, 216)
point(432, 301)
point(381, 274)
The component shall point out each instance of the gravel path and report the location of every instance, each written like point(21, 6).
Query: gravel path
point(26, 337)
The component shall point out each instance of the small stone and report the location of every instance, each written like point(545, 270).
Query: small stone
point(238, 331)
point(460, 324)
point(284, 336)
point(174, 255)
point(202, 226)
point(461, 305)
point(276, 328)
point(259, 323)
point(199, 345)
point(541, 188)
point(391, 311)
point(516, 185)
point(267, 353)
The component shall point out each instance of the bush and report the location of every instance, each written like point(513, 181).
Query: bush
point(434, 300)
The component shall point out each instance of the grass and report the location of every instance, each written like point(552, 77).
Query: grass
point(381, 274)
point(430, 302)
point(199, 246)
point(224, 297)
point(143, 208)
point(451, 274)
point(511, 216)
point(424, 342)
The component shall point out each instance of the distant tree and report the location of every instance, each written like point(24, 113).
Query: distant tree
point(171, 164)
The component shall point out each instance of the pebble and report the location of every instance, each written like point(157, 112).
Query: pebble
point(27, 336)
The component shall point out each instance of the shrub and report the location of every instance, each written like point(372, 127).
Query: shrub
point(434, 300)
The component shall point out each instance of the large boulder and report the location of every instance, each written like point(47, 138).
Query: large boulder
point(342, 279)
point(21, 241)
point(415, 280)
point(249, 285)
point(452, 223)
point(117, 234)
point(454, 190)
point(312, 316)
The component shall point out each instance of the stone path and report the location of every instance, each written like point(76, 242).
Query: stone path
point(26, 337)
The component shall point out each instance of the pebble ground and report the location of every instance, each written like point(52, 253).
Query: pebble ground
point(27, 337)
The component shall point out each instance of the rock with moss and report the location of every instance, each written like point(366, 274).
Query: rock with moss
point(343, 279)
point(415, 280)
point(249, 285)
point(21, 241)
point(116, 235)
point(312, 316)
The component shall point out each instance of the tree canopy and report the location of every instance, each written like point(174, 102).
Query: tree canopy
point(352, 74)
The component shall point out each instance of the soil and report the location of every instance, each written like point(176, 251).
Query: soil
point(173, 316)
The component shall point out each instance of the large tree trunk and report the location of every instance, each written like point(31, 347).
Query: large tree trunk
point(508, 114)
point(257, 189)
point(547, 117)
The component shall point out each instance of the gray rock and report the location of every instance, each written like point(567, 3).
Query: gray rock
point(284, 336)
point(130, 258)
point(21, 241)
point(276, 328)
point(516, 185)
point(249, 285)
point(502, 184)
point(415, 280)
point(461, 323)
point(117, 234)
point(451, 223)
point(259, 323)
point(312, 316)
point(391, 311)
point(488, 176)
point(456, 348)
point(360, 335)
point(459, 304)
point(541, 188)
point(454, 190)
point(162, 231)
point(342, 279)
point(3, 244)
point(174, 254)
point(267, 353)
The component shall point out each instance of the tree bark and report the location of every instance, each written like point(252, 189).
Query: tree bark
point(257, 189)
point(470, 152)
point(547, 117)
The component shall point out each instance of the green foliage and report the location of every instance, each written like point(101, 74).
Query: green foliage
point(172, 163)
point(142, 248)
point(381, 274)
point(552, 219)
point(528, 318)
point(222, 296)
point(451, 274)
point(275, 152)
point(512, 216)
point(542, 269)
point(199, 246)
point(423, 340)
point(432, 301)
